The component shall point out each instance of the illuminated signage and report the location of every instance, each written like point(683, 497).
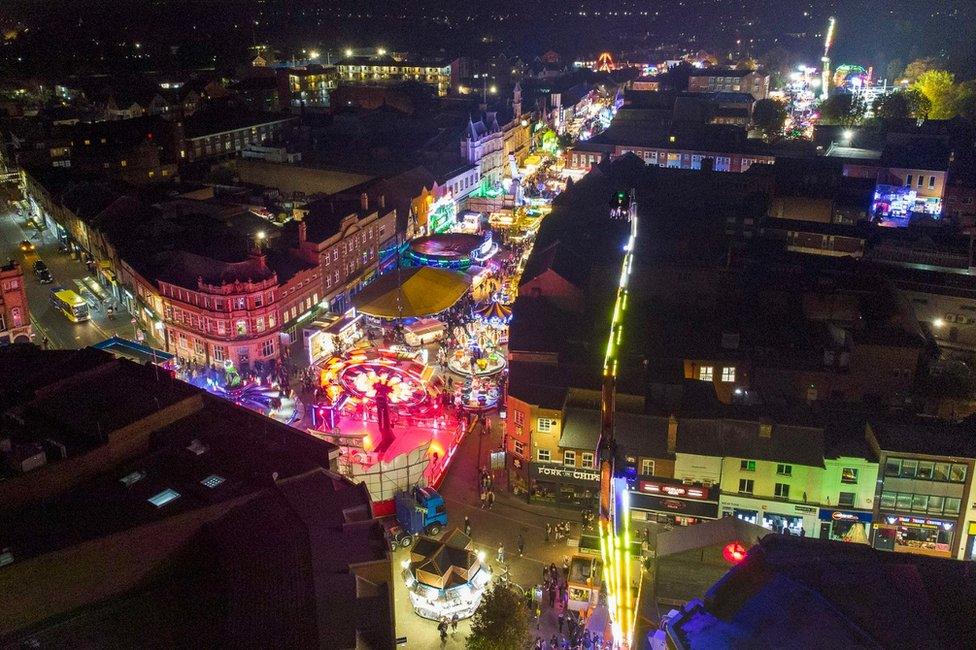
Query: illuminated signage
point(920, 521)
point(564, 472)
point(681, 491)
point(843, 516)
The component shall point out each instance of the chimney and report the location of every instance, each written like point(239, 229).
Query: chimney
point(672, 433)
point(363, 202)
point(382, 201)
point(302, 232)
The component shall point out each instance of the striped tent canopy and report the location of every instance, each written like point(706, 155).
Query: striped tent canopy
point(493, 313)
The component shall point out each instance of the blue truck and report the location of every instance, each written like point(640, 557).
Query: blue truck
point(419, 511)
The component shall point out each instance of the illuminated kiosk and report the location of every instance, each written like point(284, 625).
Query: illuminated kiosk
point(445, 577)
point(456, 251)
point(385, 411)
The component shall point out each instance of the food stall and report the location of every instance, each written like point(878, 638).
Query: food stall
point(445, 578)
point(424, 331)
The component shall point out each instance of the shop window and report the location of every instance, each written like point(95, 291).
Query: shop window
point(728, 374)
point(925, 469)
point(848, 475)
point(569, 458)
point(782, 490)
point(745, 485)
point(705, 373)
point(941, 472)
point(908, 468)
point(647, 467)
point(586, 461)
point(952, 506)
point(543, 455)
point(784, 470)
point(887, 501)
point(936, 504)
point(519, 448)
point(846, 499)
point(747, 465)
point(546, 425)
point(957, 473)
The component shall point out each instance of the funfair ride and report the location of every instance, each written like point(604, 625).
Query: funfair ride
point(614, 504)
point(825, 59)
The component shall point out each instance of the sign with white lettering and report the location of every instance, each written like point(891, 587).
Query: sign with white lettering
point(566, 472)
point(672, 490)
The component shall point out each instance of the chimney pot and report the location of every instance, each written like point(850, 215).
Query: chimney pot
point(364, 202)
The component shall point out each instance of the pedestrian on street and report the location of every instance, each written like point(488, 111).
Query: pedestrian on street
point(501, 554)
point(454, 622)
point(552, 596)
point(566, 567)
point(484, 499)
point(548, 531)
point(491, 498)
point(442, 628)
point(467, 526)
point(520, 542)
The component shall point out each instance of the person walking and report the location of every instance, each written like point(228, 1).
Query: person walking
point(566, 567)
point(501, 554)
point(454, 623)
point(442, 628)
point(520, 543)
point(484, 498)
point(491, 498)
point(467, 526)
point(548, 531)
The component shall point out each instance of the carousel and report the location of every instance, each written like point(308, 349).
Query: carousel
point(478, 351)
point(445, 577)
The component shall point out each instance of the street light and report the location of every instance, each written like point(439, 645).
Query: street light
point(381, 51)
point(348, 51)
point(493, 89)
point(314, 54)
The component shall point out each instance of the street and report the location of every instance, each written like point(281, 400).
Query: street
point(67, 271)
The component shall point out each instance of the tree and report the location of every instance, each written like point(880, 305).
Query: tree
point(769, 116)
point(501, 622)
point(916, 69)
point(901, 105)
point(966, 100)
point(939, 87)
point(842, 110)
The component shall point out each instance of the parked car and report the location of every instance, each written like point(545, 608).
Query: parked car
point(42, 273)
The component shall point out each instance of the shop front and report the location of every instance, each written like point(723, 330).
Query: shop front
point(845, 525)
point(673, 503)
point(971, 543)
point(915, 534)
point(564, 486)
point(777, 516)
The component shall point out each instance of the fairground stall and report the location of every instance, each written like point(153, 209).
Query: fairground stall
point(445, 577)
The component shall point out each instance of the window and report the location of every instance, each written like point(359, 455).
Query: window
point(931, 182)
point(747, 465)
point(951, 506)
point(569, 458)
point(519, 447)
point(728, 374)
point(941, 472)
point(957, 473)
point(545, 425)
point(920, 502)
point(543, 455)
point(241, 327)
point(587, 460)
point(519, 418)
point(849, 475)
point(846, 499)
point(705, 373)
point(908, 180)
point(784, 470)
point(935, 504)
point(647, 467)
point(267, 348)
point(908, 468)
point(903, 501)
point(218, 353)
point(887, 501)
point(212, 481)
point(925, 469)
point(921, 180)
point(893, 467)
point(164, 497)
point(745, 485)
point(782, 490)
point(134, 477)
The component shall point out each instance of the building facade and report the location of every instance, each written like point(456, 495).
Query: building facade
point(387, 69)
point(736, 81)
point(15, 325)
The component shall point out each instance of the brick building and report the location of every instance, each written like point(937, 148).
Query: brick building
point(15, 325)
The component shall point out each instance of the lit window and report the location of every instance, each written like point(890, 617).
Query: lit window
point(587, 460)
point(164, 497)
point(747, 465)
point(543, 455)
point(569, 458)
point(848, 475)
point(705, 373)
point(520, 418)
point(134, 477)
point(647, 467)
point(546, 425)
point(519, 448)
point(728, 374)
point(212, 481)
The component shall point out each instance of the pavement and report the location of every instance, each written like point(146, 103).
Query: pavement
point(46, 320)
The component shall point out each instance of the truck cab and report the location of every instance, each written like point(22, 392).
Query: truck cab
point(419, 511)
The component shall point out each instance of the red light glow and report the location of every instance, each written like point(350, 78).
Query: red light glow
point(734, 552)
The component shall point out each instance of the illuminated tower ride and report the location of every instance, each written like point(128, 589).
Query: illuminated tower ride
point(614, 497)
point(825, 59)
